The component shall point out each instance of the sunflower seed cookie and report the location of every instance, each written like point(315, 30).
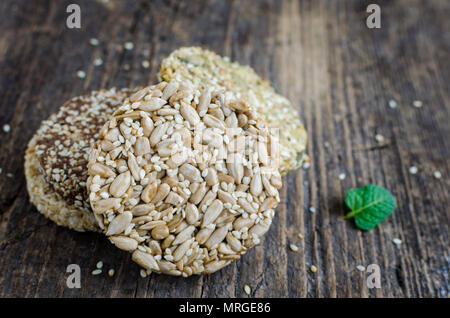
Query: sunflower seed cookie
point(57, 156)
point(184, 179)
point(204, 67)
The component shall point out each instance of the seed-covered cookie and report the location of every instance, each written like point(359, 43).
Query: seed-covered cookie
point(186, 180)
point(48, 202)
point(206, 68)
point(57, 157)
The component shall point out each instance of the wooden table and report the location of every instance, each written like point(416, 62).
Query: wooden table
point(340, 74)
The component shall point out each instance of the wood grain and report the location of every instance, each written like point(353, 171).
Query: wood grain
point(320, 54)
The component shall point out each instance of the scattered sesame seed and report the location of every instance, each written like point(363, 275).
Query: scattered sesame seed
point(392, 104)
point(9, 175)
point(6, 128)
point(313, 268)
point(293, 247)
point(360, 268)
point(247, 290)
point(1, 170)
point(437, 174)
point(143, 273)
point(300, 236)
point(413, 170)
point(145, 64)
point(126, 67)
point(379, 138)
point(129, 46)
point(94, 42)
point(98, 62)
point(312, 209)
point(341, 176)
point(99, 264)
point(326, 144)
point(306, 165)
point(397, 241)
point(96, 272)
point(417, 103)
point(111, 272)
point(81, 74)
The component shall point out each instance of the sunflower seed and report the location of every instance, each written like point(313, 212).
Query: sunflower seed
point(204, 101)
point(181, 250)
point(160, 232)
point(161, 194)
point(145, 260)
point(119, 223)
point(106, 204)
point(190, 172)
point(216, 237)
point(212, 212)
point(120, 184)
point(170, 89)
point(192, 214)
point(184, 235)
point(124, 243)
point(158, 132)
point(101, 170)
point(189, 114)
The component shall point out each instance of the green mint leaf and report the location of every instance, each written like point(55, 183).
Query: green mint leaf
point(370, 205)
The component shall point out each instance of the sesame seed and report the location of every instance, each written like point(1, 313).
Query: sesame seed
point(81, 74)
point(417, 103)
point(111, 272)
point(413, 170)
point(98, 62)
point(96, 272)
point(6, 128)
point(94, 42)
point(341, 176)
point(99, 264)
point(143, 273)
point(379, 138)
point(129, 46)
point(300, 236)
point(437, 175)
point(126, 67)
point(293, 247)
point(312, 209)
point(313, 268)
point(392, 103)
point(360, 268)
point(306, 165)
point(397, 241)
point(145, 64)
point(9, 175)
point(247, 290)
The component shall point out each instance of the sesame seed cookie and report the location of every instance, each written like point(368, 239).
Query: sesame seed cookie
point(185, 180)
point(203, 67)
point(51, 204)
point(57, 156)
